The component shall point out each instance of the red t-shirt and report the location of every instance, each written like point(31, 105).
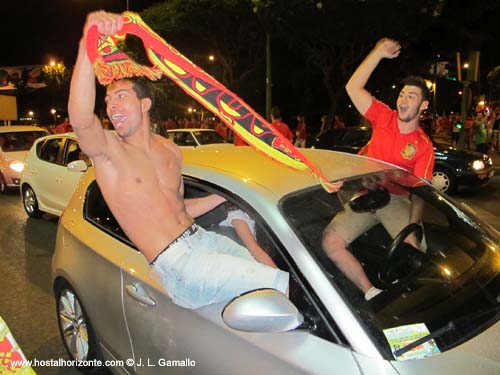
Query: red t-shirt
point(413, 151)
point(283, 129)
point(301, 130)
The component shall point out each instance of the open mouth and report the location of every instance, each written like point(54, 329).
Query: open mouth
point(118, 119)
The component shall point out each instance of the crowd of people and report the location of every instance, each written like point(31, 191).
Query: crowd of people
point(477, 131)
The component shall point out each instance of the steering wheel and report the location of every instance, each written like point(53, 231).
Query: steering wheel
point(403, 260)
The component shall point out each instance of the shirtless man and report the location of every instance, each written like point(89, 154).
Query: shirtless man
point(139, 174)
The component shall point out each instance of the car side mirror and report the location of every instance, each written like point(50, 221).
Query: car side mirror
point(77, 166)
point(262, 310)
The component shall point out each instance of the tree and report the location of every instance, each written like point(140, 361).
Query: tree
point(493, 78)
point(223, 28)
point(57, 79)
point(333, 36)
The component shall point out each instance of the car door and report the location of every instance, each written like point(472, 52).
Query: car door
point(46, 173)
point(100, 246)
point(164, 334)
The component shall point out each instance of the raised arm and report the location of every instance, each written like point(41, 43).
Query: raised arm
point(82, 95)
point(361, 98)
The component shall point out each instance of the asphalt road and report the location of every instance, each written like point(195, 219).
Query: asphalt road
point(26, 248)
point(26, 301)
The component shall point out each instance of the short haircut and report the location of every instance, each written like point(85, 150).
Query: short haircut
point(142, 88)
point(418, 82)
point(275, 112)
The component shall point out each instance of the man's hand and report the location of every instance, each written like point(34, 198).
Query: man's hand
point(387, 48)
point(107, 23)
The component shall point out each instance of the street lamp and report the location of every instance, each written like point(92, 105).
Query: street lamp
point(53, 111)
point(211, 58)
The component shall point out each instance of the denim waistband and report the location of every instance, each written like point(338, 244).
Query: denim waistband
point(192, 229)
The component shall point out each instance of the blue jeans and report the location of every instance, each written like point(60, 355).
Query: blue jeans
point(207, 268)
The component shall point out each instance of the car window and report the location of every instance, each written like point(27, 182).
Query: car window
point(186, 139)
point(19, 141)
point(73, 152)
point(456, 277)
point(97, 212)
point(209, 137)
point(300, 292)
point(50, 150)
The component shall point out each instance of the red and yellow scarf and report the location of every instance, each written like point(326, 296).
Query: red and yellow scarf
point(110, 63)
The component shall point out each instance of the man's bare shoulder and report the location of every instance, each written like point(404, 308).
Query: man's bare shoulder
point(169, 145)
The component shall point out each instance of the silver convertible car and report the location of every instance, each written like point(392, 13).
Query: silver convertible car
point(438, 313)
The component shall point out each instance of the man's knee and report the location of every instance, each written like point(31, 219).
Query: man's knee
point(333, 244)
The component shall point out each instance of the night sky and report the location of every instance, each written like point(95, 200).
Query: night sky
point(35, 31)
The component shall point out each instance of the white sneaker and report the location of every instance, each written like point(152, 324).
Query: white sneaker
point(372, 292)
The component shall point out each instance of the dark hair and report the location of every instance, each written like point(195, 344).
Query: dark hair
point(418, 82)
point(142, 88)
point(275, 112)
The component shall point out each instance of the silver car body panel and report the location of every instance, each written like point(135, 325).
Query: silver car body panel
point(148, 332)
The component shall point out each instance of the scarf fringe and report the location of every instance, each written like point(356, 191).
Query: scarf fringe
point(109, 72)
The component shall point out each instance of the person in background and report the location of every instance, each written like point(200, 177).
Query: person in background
point(322, 127)
point(222, 130)
point(338, 123)
point(63, 127)
point(398, 139)
point(480, 135)
point(301, 132)
point(279, 125)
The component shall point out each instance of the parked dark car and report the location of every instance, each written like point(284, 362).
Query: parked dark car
point(453, 167)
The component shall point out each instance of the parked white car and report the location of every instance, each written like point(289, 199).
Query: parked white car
point(15, 141)
point(52, 170)
point(196, 137)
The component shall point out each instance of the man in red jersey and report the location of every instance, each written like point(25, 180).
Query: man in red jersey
point(398, 139)
point(279, 125)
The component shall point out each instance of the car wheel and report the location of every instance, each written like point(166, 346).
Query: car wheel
point(76, 331)
point(443, 181)
point(3, 185)
point(30, 202)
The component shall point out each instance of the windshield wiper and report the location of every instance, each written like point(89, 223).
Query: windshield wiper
point(450, 326)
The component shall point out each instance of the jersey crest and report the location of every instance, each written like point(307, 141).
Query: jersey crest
point(409, 151)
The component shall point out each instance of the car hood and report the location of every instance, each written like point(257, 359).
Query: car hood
point(479, 355)
point(15, 155)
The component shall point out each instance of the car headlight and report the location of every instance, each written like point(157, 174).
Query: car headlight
point(477, 165)
point(17, 166)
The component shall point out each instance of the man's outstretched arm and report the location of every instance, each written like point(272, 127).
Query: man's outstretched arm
point(361, 98)
point(82, 90)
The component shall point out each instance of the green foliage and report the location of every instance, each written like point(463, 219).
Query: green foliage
point(225, 28)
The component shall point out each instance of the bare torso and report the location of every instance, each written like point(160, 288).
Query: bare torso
point(142, 189)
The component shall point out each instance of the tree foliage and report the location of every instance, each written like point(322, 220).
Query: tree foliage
point(223, 28)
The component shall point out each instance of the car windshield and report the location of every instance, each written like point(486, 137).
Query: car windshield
point(208, 137)
point(452, 291)
point(19, 141)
